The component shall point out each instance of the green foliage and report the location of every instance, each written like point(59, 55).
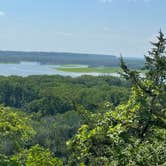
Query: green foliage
point(90, 69)
point(52, 132)
point(50, 95)
point(35, 156)
point(133, 133)
point(113, 128)
point(15, 130)
point(51, 102)
point(4, 160)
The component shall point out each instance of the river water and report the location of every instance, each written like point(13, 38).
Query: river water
point(34, 68)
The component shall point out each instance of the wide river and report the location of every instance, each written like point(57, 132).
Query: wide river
point(34, 68)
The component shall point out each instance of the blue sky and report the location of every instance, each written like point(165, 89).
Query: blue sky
point(89, 26)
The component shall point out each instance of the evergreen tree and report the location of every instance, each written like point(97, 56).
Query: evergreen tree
point(151, 88)
point(133, 133)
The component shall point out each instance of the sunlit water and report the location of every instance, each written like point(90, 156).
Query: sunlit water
point(34, 68)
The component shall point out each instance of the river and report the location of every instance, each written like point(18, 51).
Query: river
point(33, 68)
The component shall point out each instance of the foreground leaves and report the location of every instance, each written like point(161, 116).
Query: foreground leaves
point(133, 133)
point(15, 130)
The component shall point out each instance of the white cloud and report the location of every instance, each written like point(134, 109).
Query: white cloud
point(2, 13)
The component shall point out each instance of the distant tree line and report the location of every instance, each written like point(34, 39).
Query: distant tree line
point(92, 60)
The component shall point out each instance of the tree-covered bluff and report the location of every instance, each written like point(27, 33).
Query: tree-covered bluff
point(54, 120)
point(52, 107)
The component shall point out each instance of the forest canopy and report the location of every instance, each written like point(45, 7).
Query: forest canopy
point(55, 120)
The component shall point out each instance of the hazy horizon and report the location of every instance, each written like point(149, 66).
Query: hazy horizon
point(108, 27)
point(84, 53)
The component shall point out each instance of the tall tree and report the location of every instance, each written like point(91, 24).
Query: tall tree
point(133, 133)
point(151, 88)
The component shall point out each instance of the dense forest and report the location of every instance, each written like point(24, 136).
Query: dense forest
point(54, 98)
point(95, 121)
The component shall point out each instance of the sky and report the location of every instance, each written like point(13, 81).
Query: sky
point(110, 27)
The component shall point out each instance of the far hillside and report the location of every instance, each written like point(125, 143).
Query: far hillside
point(60, 58)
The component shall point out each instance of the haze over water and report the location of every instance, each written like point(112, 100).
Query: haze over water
point(34, 68)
